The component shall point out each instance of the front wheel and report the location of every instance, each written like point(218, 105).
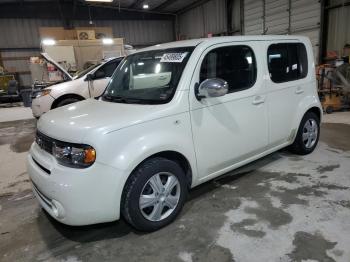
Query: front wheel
point(154, 194)
point(67, 101)
point(308, 134)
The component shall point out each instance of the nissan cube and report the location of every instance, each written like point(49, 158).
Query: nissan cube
point(174, 116)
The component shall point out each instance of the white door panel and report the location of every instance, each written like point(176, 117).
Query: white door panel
point(227, 133)
point(228, 129)
point(282, 104)
point(284, 97)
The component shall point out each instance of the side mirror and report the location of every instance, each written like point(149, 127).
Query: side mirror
point(89, 77)
point(213, 87)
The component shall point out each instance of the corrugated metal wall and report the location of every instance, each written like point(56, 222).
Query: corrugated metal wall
point(338, 29)
point(276, 16)
point(300, 17)
point(19, 33)
point(24, 33)
point(20, 63)
point(305, 20)
point(253, 17)
point(207, 18)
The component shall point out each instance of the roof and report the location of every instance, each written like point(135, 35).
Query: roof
point(223, 39)
point(166, 6)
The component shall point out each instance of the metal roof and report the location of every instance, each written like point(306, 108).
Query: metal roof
point(162, 6)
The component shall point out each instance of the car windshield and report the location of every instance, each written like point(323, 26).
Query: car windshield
point(149, 77)
point(85, 71)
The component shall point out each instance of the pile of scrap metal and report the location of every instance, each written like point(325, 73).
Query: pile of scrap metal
point(334, 87)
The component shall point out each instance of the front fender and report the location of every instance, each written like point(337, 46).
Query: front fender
point(126, 148)
point(77, 87)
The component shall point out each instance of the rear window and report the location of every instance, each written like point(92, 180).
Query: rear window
point(287, 62)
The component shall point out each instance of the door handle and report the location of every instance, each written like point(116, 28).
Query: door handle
point(299, 90)
point(258, 100)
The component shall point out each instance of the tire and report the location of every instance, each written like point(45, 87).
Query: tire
point(142, 185)
point(67, 101)
point(306, 141)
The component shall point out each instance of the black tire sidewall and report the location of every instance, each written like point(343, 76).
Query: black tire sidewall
point(144, 173)
point(67, 101)
point(299, 139)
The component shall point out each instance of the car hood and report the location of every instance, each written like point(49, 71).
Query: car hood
point(72, 122)
point(57, 65)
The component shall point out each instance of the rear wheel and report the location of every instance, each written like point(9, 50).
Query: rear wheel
point(308, 134)
point(154, 194)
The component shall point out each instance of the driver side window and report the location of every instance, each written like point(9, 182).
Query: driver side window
point(234, 64)
point(106, 70)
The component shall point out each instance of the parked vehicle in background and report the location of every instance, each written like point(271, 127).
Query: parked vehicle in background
point(90, 82)
point(174, 116)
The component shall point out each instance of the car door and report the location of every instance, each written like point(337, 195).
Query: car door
point(102, 76)
point(287, 66)
point(232, 128)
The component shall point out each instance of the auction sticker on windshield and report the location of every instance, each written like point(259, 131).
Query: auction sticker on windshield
point(173, 57)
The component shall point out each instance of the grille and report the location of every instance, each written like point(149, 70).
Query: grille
point(44, 142)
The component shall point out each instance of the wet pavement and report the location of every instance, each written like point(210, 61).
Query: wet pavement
point(280, 208)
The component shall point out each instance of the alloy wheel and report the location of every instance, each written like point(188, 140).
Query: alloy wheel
point(160, 196)
point(310, 133)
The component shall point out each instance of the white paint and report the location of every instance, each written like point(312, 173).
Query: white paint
point(185, 256)
point(322, 216)
point(77, 86)
point(124, 135)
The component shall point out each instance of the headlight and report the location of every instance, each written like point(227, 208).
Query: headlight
point(43, 92)
point(78, 156)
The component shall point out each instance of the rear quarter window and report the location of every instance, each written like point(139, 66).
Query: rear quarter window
point(287, 62)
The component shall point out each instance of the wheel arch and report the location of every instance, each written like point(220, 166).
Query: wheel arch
point(175, 156)
point(316, 110)
point(308, 106)
point(65, 96)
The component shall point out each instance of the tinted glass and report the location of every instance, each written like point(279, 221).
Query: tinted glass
point(234, 64)
point(287, 62)
point(108, 68)
point(149, 77)
point(84, 72)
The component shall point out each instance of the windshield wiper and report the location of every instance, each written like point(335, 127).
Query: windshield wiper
point(120, 99)
point(129, 100)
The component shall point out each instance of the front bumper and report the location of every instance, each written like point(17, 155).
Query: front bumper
point(75, 196)
point(42, 105)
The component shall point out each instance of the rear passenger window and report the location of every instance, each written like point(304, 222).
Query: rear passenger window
point(234, 64)
point(287, 62)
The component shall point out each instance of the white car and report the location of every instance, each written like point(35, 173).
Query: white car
point(74, 88)
point(174, 116)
